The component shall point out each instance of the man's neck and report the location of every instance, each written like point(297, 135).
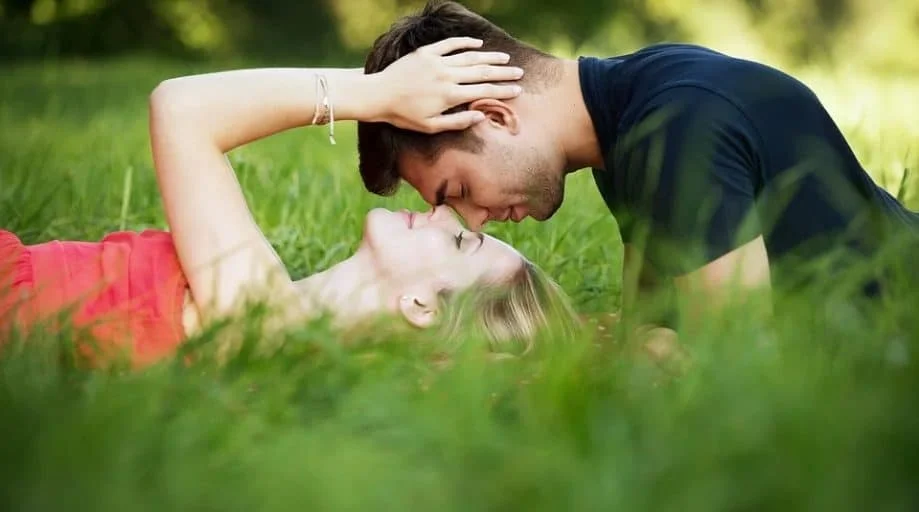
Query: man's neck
point(567, 113)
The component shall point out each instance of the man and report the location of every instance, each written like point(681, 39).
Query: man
point(717, 169)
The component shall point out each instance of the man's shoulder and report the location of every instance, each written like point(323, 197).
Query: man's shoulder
point(659, 66)
point(655, 53)
point(624, 82)
point(622, 91)
point(665, 49)
point(629, 85)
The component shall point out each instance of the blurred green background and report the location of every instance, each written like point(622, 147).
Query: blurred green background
point(880, 36)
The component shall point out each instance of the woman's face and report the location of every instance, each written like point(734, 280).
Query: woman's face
point(420, 255)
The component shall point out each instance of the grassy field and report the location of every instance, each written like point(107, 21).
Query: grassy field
point(815, 411)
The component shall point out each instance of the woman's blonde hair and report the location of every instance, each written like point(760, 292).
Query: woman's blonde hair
point(511, 315)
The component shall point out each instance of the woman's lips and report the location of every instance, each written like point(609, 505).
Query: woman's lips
point(409, 218)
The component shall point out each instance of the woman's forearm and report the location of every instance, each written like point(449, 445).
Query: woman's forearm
point(233, 108)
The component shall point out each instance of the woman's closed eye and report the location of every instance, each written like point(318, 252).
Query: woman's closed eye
point(465, 243)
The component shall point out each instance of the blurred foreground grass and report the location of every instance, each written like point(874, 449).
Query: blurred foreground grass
point(816, 411)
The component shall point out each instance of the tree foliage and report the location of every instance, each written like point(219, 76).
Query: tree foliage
point(339, 30)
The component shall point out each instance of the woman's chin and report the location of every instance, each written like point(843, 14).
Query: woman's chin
point(375, 217)
point(381, 224)
point(372, 225)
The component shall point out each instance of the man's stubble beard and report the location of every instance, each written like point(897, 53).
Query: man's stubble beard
point(545, 192)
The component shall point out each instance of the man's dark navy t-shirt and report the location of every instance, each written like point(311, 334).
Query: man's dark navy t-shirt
point(704, 152)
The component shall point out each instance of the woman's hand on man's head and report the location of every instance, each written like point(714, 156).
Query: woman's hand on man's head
point(417, 89)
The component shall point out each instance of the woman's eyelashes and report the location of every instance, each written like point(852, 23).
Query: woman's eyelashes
point(463, 242)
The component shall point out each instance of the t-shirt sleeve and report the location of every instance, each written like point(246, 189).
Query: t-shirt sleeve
point(690, 174)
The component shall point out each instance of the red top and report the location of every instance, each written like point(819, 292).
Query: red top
point(127, 290)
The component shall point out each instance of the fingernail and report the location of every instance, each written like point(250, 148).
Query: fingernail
point(478, 117)
point(519, 71)
point(518, 89)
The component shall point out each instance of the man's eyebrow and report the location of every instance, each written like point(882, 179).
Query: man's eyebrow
point(441, 195)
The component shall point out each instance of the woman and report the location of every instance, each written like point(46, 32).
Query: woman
point(148, 291)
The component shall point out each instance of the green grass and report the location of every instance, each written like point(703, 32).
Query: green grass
point(815, 411)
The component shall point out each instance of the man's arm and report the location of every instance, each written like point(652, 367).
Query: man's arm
point(730, 277)
point(691, 184)
point(739, 278)
point(640, 281)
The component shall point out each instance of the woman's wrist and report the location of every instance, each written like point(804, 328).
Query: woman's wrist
point(355, 96)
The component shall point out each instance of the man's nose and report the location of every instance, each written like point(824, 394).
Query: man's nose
point(476, 222)
point(475, 217)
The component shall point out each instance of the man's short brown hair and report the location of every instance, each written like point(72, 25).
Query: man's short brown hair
point(379, 144)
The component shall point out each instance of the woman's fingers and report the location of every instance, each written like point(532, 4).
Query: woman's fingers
point(455, 121)
point(426, 83)
point(468, 93)
point(472, 58)
point(485, 73)
point(451, 44)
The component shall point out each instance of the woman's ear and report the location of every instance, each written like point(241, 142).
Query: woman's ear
point(498, 114)
point(419, 309)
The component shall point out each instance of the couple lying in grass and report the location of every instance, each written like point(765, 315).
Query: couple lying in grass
point(148, 291)
point(718, 170)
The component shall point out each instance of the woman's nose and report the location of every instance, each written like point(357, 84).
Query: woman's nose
point(440, 213)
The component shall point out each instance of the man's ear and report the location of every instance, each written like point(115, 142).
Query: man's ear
point(419, 309)
point(498, 114)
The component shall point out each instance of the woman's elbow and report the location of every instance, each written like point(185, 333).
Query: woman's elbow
point(169, 99)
